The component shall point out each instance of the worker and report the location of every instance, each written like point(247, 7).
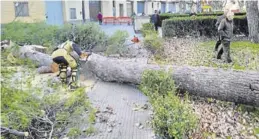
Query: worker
point(62, 57)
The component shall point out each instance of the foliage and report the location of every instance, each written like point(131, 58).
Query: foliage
point(18, 108)
point(116, 43)
point(90, 130)
point(199, 26)
point(153, 43)
point(147, 28)
point(87, 35)
point(173, 117)
point(170, 15)
point(157, 81)
point(27, 104)
point(74, 132)
point(26, 33)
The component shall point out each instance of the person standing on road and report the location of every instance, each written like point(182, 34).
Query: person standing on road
point(155, 19)
point(225, 30)
point(100, 18)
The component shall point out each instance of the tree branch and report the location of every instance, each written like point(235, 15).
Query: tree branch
point(5, 130)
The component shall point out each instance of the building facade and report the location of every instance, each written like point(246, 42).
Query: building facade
point(69, 11)
point(25, 11)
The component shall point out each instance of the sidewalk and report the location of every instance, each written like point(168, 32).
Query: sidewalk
point(120, 114)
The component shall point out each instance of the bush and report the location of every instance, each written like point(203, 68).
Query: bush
point(147, 28)
point(116, 43)
point(169, 15)
point(26, 33)
point(199, 26)
point(87, 35)
point(28, 106)
point(173, 117)
point(153, 43)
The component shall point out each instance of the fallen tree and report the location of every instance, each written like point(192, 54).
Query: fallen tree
point(235, 86)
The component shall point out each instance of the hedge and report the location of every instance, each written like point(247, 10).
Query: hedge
point(199, 26)
point(169, 15)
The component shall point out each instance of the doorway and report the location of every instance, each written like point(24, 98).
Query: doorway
point(94, 8)
point(54, 12)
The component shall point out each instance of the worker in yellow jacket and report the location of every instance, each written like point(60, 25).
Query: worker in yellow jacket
point(62, 57)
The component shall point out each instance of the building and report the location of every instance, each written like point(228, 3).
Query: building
point(74, 11)
point(26, 11)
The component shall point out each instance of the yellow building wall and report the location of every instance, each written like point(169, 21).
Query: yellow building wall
point(36, 11)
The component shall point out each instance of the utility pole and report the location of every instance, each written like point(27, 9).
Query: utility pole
point(83, 10)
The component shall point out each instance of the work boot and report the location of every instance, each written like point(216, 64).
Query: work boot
point(73, 85)
point(59, 67)
point(63, 74)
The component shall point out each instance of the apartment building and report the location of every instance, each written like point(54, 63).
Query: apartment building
point(25, 11)
point(58, 12)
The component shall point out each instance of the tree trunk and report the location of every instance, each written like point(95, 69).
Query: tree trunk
point(252, 8)
point(35, 53)
point(235, 86)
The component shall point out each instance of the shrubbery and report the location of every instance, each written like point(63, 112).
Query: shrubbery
point(116, 43)
point(25, 33)
point(169, 15)
point(147, 28)
point(152, 41)
point(199, 26)
point(87, 35)
point(28, 107)
point(173, 117)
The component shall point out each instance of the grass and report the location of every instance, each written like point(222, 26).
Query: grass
point(238, 45)
point(245, 56)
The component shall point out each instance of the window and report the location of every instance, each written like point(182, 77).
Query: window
point(113, 3)
point(21, 9)
point(72, 13)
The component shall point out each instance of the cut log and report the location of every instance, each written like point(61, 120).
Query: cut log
point(235, 86)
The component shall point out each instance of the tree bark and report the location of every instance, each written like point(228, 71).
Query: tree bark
point(252, 8)
point(35, 53)
point(235, 86)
